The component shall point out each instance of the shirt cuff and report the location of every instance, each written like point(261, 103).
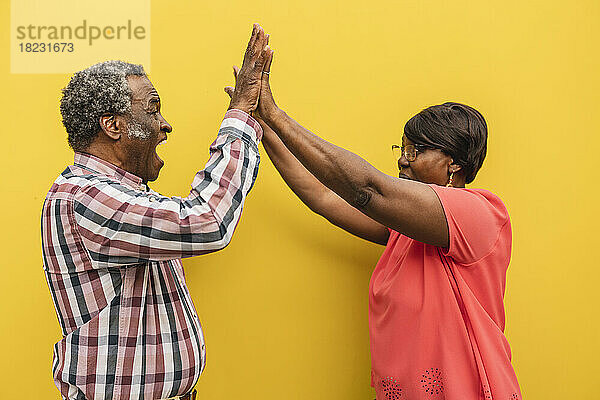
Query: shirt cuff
point(244, 122)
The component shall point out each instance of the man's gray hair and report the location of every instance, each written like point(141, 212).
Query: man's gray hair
point(95, 91)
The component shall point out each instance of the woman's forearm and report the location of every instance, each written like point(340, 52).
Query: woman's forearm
point(409, 207)
point(344, 172)
point(317, 196)
point(296, 176)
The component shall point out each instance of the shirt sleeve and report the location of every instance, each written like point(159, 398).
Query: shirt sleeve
point(120, 226)
point(475, 221)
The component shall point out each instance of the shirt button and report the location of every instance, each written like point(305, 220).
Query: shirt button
point(151, 199)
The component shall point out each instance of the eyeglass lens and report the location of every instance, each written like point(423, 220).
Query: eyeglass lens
point(409, 151)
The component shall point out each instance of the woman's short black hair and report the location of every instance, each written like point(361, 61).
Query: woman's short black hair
point(457, 129)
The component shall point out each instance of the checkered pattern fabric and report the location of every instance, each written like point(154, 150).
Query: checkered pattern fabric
point(112, 250)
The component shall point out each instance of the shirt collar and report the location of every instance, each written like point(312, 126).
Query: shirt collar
point(93, 163)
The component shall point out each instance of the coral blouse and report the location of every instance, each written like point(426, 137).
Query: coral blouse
point(436, 315)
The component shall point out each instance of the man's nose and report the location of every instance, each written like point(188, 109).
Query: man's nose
point(165, 126)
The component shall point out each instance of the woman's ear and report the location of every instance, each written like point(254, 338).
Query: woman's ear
point(453, 168)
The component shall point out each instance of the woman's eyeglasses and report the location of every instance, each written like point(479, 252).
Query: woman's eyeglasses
point(409, 151)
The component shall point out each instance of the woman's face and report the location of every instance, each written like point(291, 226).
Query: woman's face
point(430, 166)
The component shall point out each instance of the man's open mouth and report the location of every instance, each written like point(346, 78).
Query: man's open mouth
point(158, 144)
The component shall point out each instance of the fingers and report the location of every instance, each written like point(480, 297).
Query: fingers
point(266, 102)
point(268, 60)
point(259, 44)
point(260, 63)
point(255, 45)
point(261, 59)
point(253, 36)
point(248, 77)
point(261, 40)
point(267, 67)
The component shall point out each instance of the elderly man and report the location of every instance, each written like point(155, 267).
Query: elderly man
point(112, 246)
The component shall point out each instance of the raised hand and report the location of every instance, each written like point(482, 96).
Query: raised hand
point(318, 197)
point(247, 87)
point(266, 104)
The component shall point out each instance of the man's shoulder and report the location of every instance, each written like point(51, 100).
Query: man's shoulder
point(73, 179)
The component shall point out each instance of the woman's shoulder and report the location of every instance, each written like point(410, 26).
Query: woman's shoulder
point(490, 198)
point(472, 200)
point(476, 219)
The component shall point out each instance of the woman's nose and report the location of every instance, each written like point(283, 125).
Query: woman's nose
point(403, 162)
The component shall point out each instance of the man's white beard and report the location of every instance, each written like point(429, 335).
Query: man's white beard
point(135, 130)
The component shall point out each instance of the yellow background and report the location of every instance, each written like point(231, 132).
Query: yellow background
point(284, 307)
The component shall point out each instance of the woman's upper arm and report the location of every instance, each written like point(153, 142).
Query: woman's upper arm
point(409, 207)
point(466, 222)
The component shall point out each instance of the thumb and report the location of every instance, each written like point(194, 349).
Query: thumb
point(229, 90)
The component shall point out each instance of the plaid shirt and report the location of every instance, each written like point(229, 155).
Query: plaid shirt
point(112, 250)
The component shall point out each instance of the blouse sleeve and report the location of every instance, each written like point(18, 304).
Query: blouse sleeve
point(475, 219)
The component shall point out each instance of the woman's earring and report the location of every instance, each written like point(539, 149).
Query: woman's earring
point(451, 180)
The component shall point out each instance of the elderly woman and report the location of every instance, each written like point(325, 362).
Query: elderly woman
point(436, 312)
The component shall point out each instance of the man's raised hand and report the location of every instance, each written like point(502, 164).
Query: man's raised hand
point(247, 86)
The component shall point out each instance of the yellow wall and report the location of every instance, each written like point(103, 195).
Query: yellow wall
point(285, 306)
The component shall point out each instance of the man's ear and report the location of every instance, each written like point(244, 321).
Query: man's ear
point(113, 125)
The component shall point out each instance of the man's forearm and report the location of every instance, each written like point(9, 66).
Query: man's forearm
point(340, 170)
point(146, 226)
